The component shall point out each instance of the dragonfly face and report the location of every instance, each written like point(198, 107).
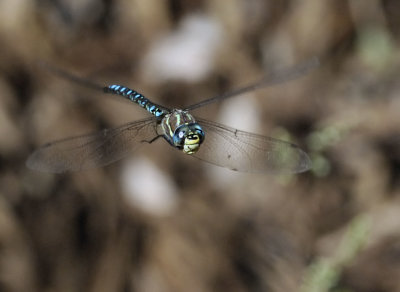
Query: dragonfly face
point(181, 131)
point(188, 137)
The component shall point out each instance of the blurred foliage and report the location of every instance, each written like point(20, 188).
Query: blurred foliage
point(324, 273)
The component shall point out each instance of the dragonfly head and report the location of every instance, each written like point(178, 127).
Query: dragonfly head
point(188, 137)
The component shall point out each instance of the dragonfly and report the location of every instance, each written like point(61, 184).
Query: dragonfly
point(200, 138)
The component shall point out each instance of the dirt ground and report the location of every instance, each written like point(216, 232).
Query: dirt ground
point(158, 220)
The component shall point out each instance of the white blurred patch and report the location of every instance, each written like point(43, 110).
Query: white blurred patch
point(148, 188)
point(11, 14)
point(186, 54)
point(240, 113)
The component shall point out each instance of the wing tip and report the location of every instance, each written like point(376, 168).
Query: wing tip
point(305, 162)
point(34, 162)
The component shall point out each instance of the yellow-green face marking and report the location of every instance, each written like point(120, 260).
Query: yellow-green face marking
point(192, 143)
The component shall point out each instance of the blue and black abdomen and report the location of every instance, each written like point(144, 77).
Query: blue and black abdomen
point(138, 98)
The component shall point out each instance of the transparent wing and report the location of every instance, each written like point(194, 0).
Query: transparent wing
point(93, 150)
point(273, 79)
point(243, 151)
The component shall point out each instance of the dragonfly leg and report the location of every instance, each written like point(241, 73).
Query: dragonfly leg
point(152, 140)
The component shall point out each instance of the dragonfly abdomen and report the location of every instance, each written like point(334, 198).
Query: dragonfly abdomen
point(138, 98)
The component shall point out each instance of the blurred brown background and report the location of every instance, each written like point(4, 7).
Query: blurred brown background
point(161, 221)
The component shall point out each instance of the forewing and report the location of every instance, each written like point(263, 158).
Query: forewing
point(92, 150)
point(243, 151)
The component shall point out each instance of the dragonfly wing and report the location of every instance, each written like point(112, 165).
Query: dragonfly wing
point(243, 151)
point(92, 150)
point(273, 79)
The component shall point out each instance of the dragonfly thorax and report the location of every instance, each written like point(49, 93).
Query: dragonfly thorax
point(181, 131)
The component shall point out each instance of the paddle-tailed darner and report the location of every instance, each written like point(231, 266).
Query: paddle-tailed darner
point(200, 138)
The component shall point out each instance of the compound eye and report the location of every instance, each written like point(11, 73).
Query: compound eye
point(200, 134)
point(179, 136)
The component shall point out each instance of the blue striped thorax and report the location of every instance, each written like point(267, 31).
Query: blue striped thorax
point(181, 131)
